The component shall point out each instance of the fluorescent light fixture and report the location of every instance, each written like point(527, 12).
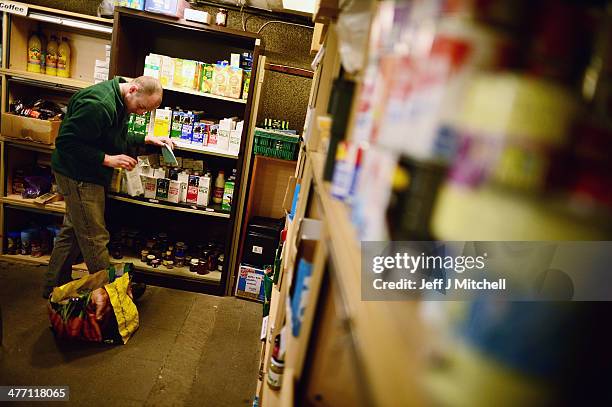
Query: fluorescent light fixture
point(44, 17)
point(305, 6)
point(87, 26)
point(71, 23)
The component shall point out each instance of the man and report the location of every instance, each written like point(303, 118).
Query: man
point(92, 141)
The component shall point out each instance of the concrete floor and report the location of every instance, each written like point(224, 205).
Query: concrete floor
point(191, 349)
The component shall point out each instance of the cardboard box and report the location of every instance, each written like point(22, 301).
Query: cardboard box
point(250, 283)
point(197, 16)
point(41, 131)
point(234, 83)
point(172, 8)
point(221, 74)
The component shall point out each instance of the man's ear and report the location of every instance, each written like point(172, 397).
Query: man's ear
point(133, 88)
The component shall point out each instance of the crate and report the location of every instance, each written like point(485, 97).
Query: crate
point(271, 143)
point(41, 131)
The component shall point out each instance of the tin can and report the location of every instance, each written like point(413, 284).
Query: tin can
point(150, 259)
point(169, 264)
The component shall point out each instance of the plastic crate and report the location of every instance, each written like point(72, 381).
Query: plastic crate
point(276, 144)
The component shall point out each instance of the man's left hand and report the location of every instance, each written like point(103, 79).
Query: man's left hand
point(160, 141)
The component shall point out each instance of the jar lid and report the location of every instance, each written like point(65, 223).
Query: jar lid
point(278, 363)
point(195, 262)
point(151, 257)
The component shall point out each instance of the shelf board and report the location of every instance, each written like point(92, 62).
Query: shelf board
point(213, 210)
point(17, 200)
point(201, 149)
point(25, 258)
point(206, 95)
point(27, 144)
point(55, 80)
point(184, 272)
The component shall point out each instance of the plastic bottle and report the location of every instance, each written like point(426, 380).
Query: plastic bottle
point(219, 187)
point(63, 59)
point(52, 46)
point(34, 53)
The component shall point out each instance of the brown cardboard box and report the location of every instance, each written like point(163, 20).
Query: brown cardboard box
point(289, 192)
point(41, 131)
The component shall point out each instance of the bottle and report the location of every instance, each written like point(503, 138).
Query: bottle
point(228, 192)
point(219, 187)
point(34, 53)
point(51, 58)
point(63, 59)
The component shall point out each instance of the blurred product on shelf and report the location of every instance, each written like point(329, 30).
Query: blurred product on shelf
point(31, 181)
point(51, 57)
point(35, 53)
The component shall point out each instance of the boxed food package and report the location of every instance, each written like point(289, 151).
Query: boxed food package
point(163, 184)
point(152, 66)
point(221, 74)
point(246, 84)
point(235, 139)
point(192, 189)
point(135, 4)
point(234, 83)
point(206, 78)
point(189, 74)
point(150, 186)
point(204, 190)
point(172, 8)
point(42, 131)
point(174, 192)
point(176, 128)
point(178, 72)
point(167, 71)
point(133, 182)
point(196, 137)
point(163, 118)
point(250, 283)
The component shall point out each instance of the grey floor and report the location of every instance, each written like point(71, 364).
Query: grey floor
point(191, 349)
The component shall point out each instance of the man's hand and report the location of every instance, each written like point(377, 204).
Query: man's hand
point(160, 141)
point(119, 161)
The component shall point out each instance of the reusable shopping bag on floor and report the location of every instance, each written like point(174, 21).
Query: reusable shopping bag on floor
point(95, 308)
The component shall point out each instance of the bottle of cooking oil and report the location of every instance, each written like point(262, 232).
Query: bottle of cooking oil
point(52, 47)
point(63, 58)
point(34, 53)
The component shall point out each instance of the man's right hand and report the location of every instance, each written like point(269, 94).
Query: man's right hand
point(119, 161)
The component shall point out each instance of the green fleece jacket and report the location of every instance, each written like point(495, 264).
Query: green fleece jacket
point(95, 124)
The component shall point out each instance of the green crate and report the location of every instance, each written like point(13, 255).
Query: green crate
point(275, 144)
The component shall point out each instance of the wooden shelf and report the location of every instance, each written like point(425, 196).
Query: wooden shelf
point(211, 210)
point(203, 150)
point(17, 200)
point(47, 79)
point(206, 95)
point(27, 144)
point(184, 272)
point(25, 258)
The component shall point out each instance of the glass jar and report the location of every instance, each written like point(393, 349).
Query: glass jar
point(179, 261)
point(221, 18)
point(203, 267)
point(36, 250)
point(144, 253)
point(155, 263)
point(14, 243)
point(212, 260)
point(220, 261)
point(150, 259)
point(180, 249)
point(194, 265)
point(275, 373)
point(169, 264)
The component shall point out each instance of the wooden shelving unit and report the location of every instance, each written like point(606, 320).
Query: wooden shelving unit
point(16, 200)
point(47, 79)
point(203, 150)
point(130, 34)
point(211, 210)
point(380, 357)
point(203, 94)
